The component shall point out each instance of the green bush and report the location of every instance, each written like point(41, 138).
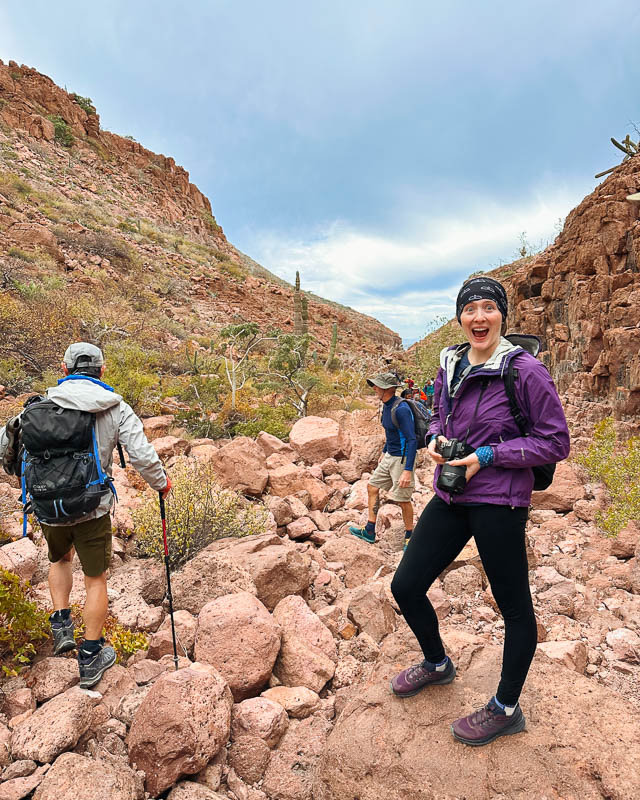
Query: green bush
point(133, 373)
point(62, 131)
point(617, 465)
point(198, 512)
point(84, 102)
point(276, 420)
point(123, 640)
point(22, 623)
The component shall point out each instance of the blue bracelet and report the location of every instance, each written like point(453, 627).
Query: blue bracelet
point(485, 456)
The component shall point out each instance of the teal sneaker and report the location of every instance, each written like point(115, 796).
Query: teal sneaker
point(363, 534)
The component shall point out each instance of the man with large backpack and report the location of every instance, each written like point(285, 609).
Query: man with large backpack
point(395, 472)
point(67, 441)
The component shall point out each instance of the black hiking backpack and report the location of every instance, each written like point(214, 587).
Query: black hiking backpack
point(421, 419)
point(543, 474)
point(62, 477)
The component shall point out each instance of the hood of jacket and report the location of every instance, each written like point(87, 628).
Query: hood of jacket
point(84, 394)
point(497, 362)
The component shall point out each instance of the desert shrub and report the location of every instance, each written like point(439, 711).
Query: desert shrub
point(98, 244)
point(617, 465)
point(198, 512)
point(276, 420)
point(62, 130)
point(35, 330)
point(84, 102)
point(22, 623)
point(132, 372)
point(14, 189)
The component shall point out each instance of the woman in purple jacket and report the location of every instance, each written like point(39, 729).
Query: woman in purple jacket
point(471, 405)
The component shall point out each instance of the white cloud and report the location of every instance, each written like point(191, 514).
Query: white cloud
point(408, 278)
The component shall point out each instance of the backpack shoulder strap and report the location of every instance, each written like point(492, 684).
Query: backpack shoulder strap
point(510, 389)
point(394, 415)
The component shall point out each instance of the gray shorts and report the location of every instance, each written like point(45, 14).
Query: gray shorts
point(386, 476)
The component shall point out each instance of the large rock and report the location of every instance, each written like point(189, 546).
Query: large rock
point(565, 490)
point(55, 727)
point(240, 465)
point(308, 654)
point(572, 654)
point(277, 568)
point(52, 676)
point(570, 745)
point(180, 726)
point(271, 444)
point(289, 479)
point(289, 775)
point(298, 701)
point(369, 609)
point(259, 716)
point(74, 776)
point(188, 790)
point(18, 787)
point(237, 635)
point(205, 577)
point(20, 557)
point(361, 561)
point(318, 438)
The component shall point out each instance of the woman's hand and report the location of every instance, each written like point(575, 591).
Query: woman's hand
point(470, 462)
point(431, 449)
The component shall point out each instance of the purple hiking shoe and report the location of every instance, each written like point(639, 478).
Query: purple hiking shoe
point(413, 679)
point(486, 724)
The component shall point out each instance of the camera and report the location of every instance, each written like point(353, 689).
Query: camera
point(452, 479)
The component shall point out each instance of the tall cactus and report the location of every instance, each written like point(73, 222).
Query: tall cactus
point(297, 308)
point(305, 315)
point(332, 346)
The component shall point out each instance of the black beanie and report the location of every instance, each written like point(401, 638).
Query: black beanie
point(482, 289)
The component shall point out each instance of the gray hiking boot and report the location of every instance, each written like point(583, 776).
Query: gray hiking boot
point(93, 667)
point(63, 639)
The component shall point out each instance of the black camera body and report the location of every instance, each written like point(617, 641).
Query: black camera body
point(452, 479)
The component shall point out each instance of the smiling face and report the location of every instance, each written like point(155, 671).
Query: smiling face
point(482, 323)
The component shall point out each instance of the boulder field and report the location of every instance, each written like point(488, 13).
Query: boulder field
point(288, 640)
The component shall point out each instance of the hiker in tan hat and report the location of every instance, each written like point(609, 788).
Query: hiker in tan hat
point(394, 473)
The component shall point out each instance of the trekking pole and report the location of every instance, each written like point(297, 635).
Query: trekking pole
point(163, 517)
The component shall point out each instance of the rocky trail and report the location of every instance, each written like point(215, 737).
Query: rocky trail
point(288, 641)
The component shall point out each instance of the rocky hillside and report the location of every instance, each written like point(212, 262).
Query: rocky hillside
point(89, 207)
point(581, 296)
point(288, 640)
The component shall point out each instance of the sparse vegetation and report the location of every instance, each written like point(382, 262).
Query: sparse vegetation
point(85, 103)
point(198, 512)
point(616, 464)
point(62, 130)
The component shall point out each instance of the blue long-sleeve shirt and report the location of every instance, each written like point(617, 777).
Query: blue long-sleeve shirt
point(401, 441)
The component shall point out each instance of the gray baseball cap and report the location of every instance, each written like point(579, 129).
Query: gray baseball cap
point(385, 380)
point(83, 354)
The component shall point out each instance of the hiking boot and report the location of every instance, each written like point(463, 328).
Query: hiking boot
point(63, 639)
point(486, 724)
point(362, 533)
point(413, 679)
point(93, 667)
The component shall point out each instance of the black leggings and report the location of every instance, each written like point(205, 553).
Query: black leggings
point(441, 533)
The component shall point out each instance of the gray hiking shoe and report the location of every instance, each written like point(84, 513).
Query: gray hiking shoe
point(63, 639)
point(92, 668)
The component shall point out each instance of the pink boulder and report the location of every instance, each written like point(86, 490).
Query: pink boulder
point(179, 727)
point(240, 465)
point(51, 677)
point(271, 444)
point(319, 438)
point(74, 776)
point(259, 716)
point(238, 636)
point(162, 640)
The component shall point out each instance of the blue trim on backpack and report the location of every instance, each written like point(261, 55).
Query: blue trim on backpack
point(86, 378)
point(23, 483)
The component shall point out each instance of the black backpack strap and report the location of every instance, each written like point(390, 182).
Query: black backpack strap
point(123, 463)
point(394, 416)
point(510, 389)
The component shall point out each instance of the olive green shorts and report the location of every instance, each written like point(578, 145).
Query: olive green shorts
point(91, 539)
point(387, 476)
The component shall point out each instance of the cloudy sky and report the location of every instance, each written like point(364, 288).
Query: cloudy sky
point(385, 149)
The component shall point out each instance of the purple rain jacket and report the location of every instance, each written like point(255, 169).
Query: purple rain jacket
point(509, 480)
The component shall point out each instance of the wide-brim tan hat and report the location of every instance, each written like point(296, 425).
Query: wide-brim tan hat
point(385, 380)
